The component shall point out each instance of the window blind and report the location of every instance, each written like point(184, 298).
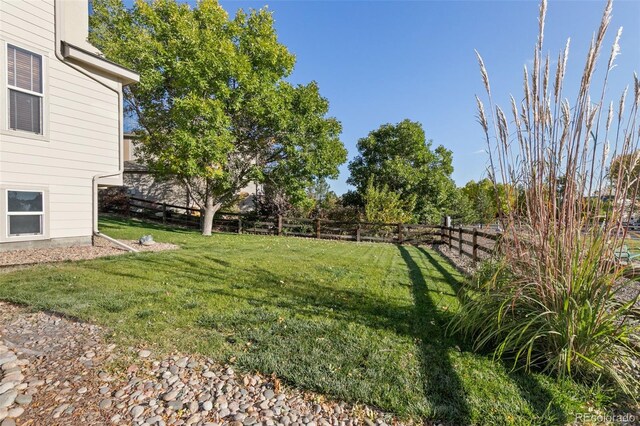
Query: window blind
point(24, 73)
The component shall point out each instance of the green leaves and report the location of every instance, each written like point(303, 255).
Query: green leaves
point(385, 206)
point(399, 157)
point(213, 106)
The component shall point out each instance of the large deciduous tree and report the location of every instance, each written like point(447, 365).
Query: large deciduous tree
point(213, 107)
point(399, 157)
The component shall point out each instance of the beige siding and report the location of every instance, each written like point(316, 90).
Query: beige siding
point(81, 134)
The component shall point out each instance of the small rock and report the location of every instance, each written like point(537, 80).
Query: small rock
point(15, 412)
point(82, 390)
point(8, 357)
point(105, 404)
point(175, 405)
point(171, 395)
point(144, 353)
point(7, 398)
point(24, 399)
point(207, 406)
point(137, 411)
point(5, 387)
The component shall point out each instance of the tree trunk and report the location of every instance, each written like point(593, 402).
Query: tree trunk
point(210, 210)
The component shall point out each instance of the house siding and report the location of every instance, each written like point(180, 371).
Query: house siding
point(81, 136)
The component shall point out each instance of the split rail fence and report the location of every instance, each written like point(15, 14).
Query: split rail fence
point(473, 243)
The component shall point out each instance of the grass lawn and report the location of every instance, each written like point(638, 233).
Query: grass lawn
point(358, 321)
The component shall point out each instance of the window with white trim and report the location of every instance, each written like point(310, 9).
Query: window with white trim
point(24, 81)
point(25, 213)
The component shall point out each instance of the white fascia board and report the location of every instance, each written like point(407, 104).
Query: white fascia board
point(126, 76)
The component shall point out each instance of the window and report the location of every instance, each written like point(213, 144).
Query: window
point(25, 212)
point(24, 78)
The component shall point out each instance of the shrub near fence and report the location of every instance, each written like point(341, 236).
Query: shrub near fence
point(468, 242)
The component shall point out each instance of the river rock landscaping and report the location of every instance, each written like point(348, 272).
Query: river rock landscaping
point(57, 371)
point(100, 248)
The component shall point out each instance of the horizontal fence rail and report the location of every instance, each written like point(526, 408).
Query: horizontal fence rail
point(396, 233)
point(482, 244)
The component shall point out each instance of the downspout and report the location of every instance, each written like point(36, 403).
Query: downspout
point(94, 180)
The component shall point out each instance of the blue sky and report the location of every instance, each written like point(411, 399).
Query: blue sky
point(382, 61)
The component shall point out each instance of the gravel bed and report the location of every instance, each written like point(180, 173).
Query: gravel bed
point(74, 377)
point(463, 263)
point(101, 248)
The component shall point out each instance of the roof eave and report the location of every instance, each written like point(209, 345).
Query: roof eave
point(124, 75)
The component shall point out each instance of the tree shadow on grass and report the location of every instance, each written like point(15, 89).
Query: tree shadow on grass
point(441, 382)
point(263, 292)
point(113, 222)
point(539, 398)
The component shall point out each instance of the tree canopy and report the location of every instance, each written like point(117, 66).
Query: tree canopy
point(399, 157)
point(625, 170)
point(213, 106)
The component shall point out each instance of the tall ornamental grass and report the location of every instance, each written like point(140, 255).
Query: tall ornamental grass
point(550, 300)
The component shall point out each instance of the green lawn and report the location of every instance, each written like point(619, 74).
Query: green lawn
point(358, 321)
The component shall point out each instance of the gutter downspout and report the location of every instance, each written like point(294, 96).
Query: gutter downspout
point(94, 180)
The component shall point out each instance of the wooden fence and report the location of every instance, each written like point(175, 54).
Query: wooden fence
point(469, 242)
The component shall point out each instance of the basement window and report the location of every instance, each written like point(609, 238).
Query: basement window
point(25, 213)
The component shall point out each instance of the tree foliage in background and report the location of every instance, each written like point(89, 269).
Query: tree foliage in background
point(386, 206)
point(213, 107)
point(625, 166)
point(482, 195)
point(399, 157)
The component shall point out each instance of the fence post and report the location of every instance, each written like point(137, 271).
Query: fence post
point(460, 240)
point(279, 224)
point(239, 224)
point(358, 232)
point(164, 213)
point(317, 226)
point(442, 234)
point(450, 246)
point(400, 233)
point(475, 244)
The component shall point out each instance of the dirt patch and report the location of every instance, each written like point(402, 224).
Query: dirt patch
point(100, 248)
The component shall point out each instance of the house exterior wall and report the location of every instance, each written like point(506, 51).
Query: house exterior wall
point(81, 135)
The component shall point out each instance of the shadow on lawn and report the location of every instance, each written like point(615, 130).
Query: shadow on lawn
point(540, 400)
point(441, 381)
point(114, 222)
point(425, 321)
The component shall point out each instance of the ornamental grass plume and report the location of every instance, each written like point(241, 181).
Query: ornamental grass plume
point(549, 300)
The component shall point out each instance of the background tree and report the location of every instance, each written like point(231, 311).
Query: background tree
point(400, 158)
point(384, 205)
point(626, 169)
point(461, 208)
point(482, 195)
point(213, 107)
point(324, 200)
